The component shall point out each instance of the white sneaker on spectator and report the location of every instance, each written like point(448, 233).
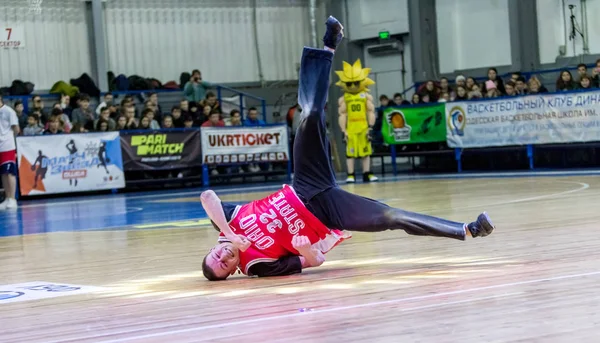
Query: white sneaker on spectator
point(8, 204)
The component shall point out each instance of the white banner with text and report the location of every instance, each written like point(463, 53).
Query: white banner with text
point(244, 144)
point(533, 119)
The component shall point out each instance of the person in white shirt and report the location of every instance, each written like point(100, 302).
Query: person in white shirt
point(9, 128)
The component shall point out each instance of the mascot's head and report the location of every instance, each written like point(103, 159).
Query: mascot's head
point(353, 79)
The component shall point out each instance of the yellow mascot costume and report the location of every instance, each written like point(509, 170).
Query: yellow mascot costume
point(356, 117)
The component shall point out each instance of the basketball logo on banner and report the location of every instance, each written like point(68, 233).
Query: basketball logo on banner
point(457, 120)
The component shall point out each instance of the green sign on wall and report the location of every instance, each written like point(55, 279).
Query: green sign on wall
point(410, 125)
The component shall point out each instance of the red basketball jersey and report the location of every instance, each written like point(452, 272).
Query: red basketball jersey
point(271, 223)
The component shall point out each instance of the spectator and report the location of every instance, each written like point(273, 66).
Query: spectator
point(188, 122)
point(65, 123)
point(521, 86)
point(585, 82)
point(195, 89)
point(102, 125)
point(211, 100)
point(514, 76)
point(235, 118)
point(533, 86)
point(581, 70)
point(425, 98)
point(470, 83)
point(33, 127)
point(53, 126)
point(432, 91)
point(214, 120)
point(252, 119)
point(132, 121)
point(153, 98)
point(493, 76)
point(19, 108)
point(510, 88)
point(38, 106)
point(184, 107)
point(475, 92)
point(149, 113)
point(83, 114)
point(9, 129)
point(105, 115)
point(168, 122)
point(542, 88)
point(65, 105)
point(461, 94)
point(445, 88)
point(595, 74)
point(460, 81)
point(565, 81)
point(416, 99)
point(77, 128)
point(203, 117)
point(177, 118)
point(144, 123)
point(107, 101)
point(491, 89)
point(121, 123)
point(398, 99)
point(444, 97)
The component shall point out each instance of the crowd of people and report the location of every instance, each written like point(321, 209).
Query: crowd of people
point(467, 88)
point(113, 115)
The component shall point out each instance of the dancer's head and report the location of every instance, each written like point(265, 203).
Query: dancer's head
point(221, 261)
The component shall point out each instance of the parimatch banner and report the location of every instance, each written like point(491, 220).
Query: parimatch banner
point(418, 124)
point(153, 150)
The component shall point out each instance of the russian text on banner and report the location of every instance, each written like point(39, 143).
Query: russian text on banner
point(533, 119)
point(154, 150)
point(409, 125)
point(242, 144)
point(70, 163)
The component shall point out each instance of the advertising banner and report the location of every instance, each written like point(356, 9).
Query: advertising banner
point(71, 163)
point(244, 144)
point(410, 125)
point(155, 150)
point(533, 119)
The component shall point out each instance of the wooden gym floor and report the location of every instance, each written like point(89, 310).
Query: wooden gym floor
point(535, 279)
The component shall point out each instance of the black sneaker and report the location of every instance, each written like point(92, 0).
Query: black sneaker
point(334, 34)
point(482, 226)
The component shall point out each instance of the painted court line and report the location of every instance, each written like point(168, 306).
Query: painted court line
point(343, 308)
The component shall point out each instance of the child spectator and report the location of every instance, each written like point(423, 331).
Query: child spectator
point(585, 82)
point(102, 125)
point(214, 120)
point(53, 126)
point(121, 123)
point(21, 115)
point(149, 113)
point(33, 127)
point(416, 99)
point(168, 122)
point(188, 122)
point(105, 115)
point(84, 115)
point(461, 94)
point(144, 123)
point(177, 117)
